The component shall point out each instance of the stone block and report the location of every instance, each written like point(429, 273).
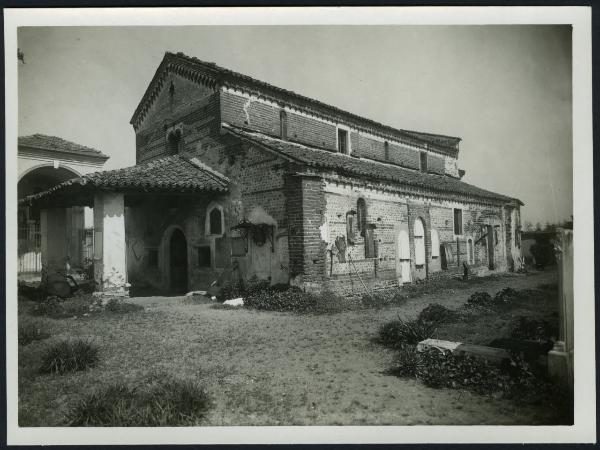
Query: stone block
point(493, 354)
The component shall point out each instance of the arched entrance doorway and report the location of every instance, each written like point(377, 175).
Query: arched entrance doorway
point(178, 263)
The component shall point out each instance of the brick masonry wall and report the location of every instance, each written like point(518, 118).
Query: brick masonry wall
point(435, 164)
point(385, 211)
point(450, 166)
point(194, 106)
point(264, 117)
point(305, 208)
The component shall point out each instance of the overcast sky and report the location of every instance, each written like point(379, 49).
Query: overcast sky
point(505, 90)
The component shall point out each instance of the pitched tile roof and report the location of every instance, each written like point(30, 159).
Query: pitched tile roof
point(173, 173)
point(359, 167)
point(214, 75)
point(53, 143)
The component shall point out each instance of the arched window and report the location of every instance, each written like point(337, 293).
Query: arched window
point(215, 224)
point(435, 244)
point(419, 233)
point(174, 142)
point(361, 216)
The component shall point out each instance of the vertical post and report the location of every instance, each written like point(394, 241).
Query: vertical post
point(54, 249)
point(110, 265)
point(457, 252)
point(560, 358)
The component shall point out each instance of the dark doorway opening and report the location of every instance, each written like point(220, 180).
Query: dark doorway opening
point(178, 263)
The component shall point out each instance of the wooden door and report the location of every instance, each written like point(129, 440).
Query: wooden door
point(403, 257)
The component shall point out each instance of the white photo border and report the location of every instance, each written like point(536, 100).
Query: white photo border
point(584, 429)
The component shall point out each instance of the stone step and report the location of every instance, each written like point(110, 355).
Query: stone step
point(481, 351)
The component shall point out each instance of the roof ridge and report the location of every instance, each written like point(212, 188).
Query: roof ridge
point(200, 165)
point(222, 76)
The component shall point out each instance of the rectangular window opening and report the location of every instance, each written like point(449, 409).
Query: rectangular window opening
point(458, 225)
point(423, 161)
point(343, 146)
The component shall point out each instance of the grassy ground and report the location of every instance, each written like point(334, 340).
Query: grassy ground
point(266, 368)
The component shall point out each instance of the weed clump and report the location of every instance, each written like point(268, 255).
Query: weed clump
point(506, 295)
point(405, 362)
point(398, 333)
point(162, 402)
point(444, 369)
point(480, 299)
point(436, 313)
point(69, 356)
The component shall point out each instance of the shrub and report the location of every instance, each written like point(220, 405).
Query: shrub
point(534, 329)
point(249, 287)
point(69, 356)
point(166, 402)
point(383, 299)
point(30, 331)
point(398, 333)
point(405, 362)
point(441, 368)
point(506, 295)
point(436, 313)
point(480, 299)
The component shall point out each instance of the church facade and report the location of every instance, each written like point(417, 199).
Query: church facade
point(236, 178)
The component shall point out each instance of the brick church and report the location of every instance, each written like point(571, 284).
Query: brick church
point(236, 178)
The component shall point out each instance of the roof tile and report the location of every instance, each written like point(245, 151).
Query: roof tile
point(53, 143)
point(345, 164)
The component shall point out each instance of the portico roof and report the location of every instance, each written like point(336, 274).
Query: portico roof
point(170, 174)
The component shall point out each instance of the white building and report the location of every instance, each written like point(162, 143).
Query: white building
point(43, 162)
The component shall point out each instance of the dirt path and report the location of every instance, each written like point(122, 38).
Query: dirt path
point(266, 368)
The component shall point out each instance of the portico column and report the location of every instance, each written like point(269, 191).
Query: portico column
point(110, 268)
point(54, 249)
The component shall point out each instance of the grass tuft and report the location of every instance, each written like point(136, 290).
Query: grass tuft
point(166, 402)
point(69, 356)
